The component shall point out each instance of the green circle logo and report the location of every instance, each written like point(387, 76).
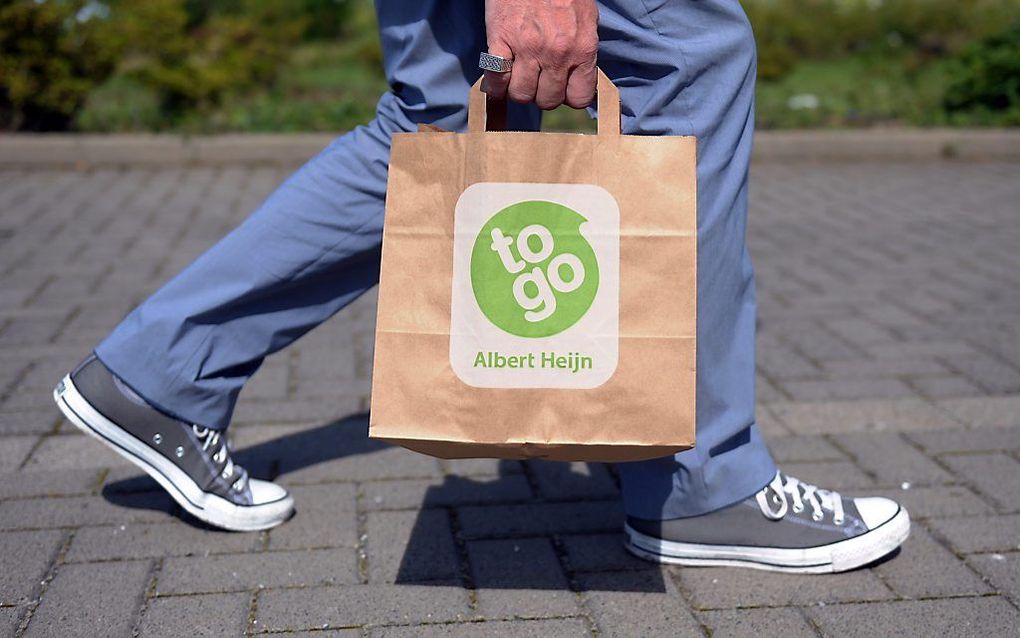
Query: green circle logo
point(532, 272)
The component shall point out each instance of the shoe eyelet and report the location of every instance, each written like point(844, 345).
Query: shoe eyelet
point(837, 521)
point(179, 451)
point(797, 509)
point(157, 438)
point(817, 517)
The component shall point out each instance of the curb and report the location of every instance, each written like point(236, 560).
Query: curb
point(42, 150)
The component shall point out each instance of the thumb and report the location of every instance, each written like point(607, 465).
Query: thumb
point(495, 84)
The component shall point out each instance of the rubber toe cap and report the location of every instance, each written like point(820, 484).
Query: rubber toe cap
point(263, 492)
point(875, 510)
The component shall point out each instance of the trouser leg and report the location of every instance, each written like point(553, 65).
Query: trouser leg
point(687, 68)
point(313, 246)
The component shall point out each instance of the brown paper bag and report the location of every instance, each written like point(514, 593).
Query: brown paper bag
point(537, 294)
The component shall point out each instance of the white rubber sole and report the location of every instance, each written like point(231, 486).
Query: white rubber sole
point(840, 556)
point(204, 506)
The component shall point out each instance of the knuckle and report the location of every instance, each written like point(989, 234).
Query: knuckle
point(578, 103)
point(559, 49)
point(588, 48)
point(518, 95)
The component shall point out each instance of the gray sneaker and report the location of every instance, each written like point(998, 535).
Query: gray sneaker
point(788, 526)
point(190, 462)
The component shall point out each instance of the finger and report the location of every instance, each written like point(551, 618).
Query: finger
point(523, 81)
point(493, 83)
point(580, 91)
point(552, 86)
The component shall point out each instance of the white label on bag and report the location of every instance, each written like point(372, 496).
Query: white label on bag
point(536, 286)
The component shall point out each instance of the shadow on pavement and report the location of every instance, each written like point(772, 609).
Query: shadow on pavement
point(511, 538)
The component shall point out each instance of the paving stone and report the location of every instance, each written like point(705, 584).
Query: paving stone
point(939, 501)
point(14, 450)
point(325, 517)
point(992, 374)
point(984, 411)
point(891, 459)
point(24, 484)
point(861, 416)
point(727, 587)
point(240, 572)
point(599, 552)
point(926, 569)
point(375, 463)
point(29, 421)
point(74, 452)
point(945, 387)
point(482, 467)
point(990, 616)
point(573, 480)
point(829, 474)
point(519, 578)
point(637, 603)
point(768, 423)
point(328, 633)
point(24, 560)
point(565, 627)
point(979, 533)
point(211, 615)
point(269, 383)
point(884, 367)
point(996, 476)
point(863, 294)
point(536, 519)
point(114, 592)
point(298, 410)
point(155, 541)
point(325, 607)
point(10, 619)
point(752, 623)
point(983, 440)
point(85, 510)
point(1001, 570)
point(450, 490)
point(803, 447)
point(848, 388)
point(407, 547)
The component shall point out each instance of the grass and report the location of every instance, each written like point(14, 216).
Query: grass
point(854, 91)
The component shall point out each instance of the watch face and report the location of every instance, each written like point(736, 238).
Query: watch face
point(535, 286)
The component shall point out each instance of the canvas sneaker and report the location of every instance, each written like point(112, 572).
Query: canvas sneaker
point(788, 526)
point(190, 462)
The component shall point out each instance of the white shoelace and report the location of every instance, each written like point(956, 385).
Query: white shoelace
point(799, 493)
point(221, 454)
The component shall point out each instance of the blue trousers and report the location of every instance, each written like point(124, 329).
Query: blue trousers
point(683, 67)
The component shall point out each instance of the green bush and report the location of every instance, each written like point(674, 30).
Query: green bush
point(51, 55)
point(790, 31)
point(187, 55)
point(985, 81)
point(204, 56)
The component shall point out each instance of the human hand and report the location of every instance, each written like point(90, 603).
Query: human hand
point(552, 43)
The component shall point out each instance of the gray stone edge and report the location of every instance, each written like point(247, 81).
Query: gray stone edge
point(28, 150)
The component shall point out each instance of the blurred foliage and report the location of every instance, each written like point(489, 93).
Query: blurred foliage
point(51, 55)
point(985, 80)
point(864, 62)
point(789, 31)
point(206, 51)
point(290, 65)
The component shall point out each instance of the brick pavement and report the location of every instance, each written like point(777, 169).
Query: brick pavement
point(889, 363)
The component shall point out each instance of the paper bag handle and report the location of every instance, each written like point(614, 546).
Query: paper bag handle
point(487, 114)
